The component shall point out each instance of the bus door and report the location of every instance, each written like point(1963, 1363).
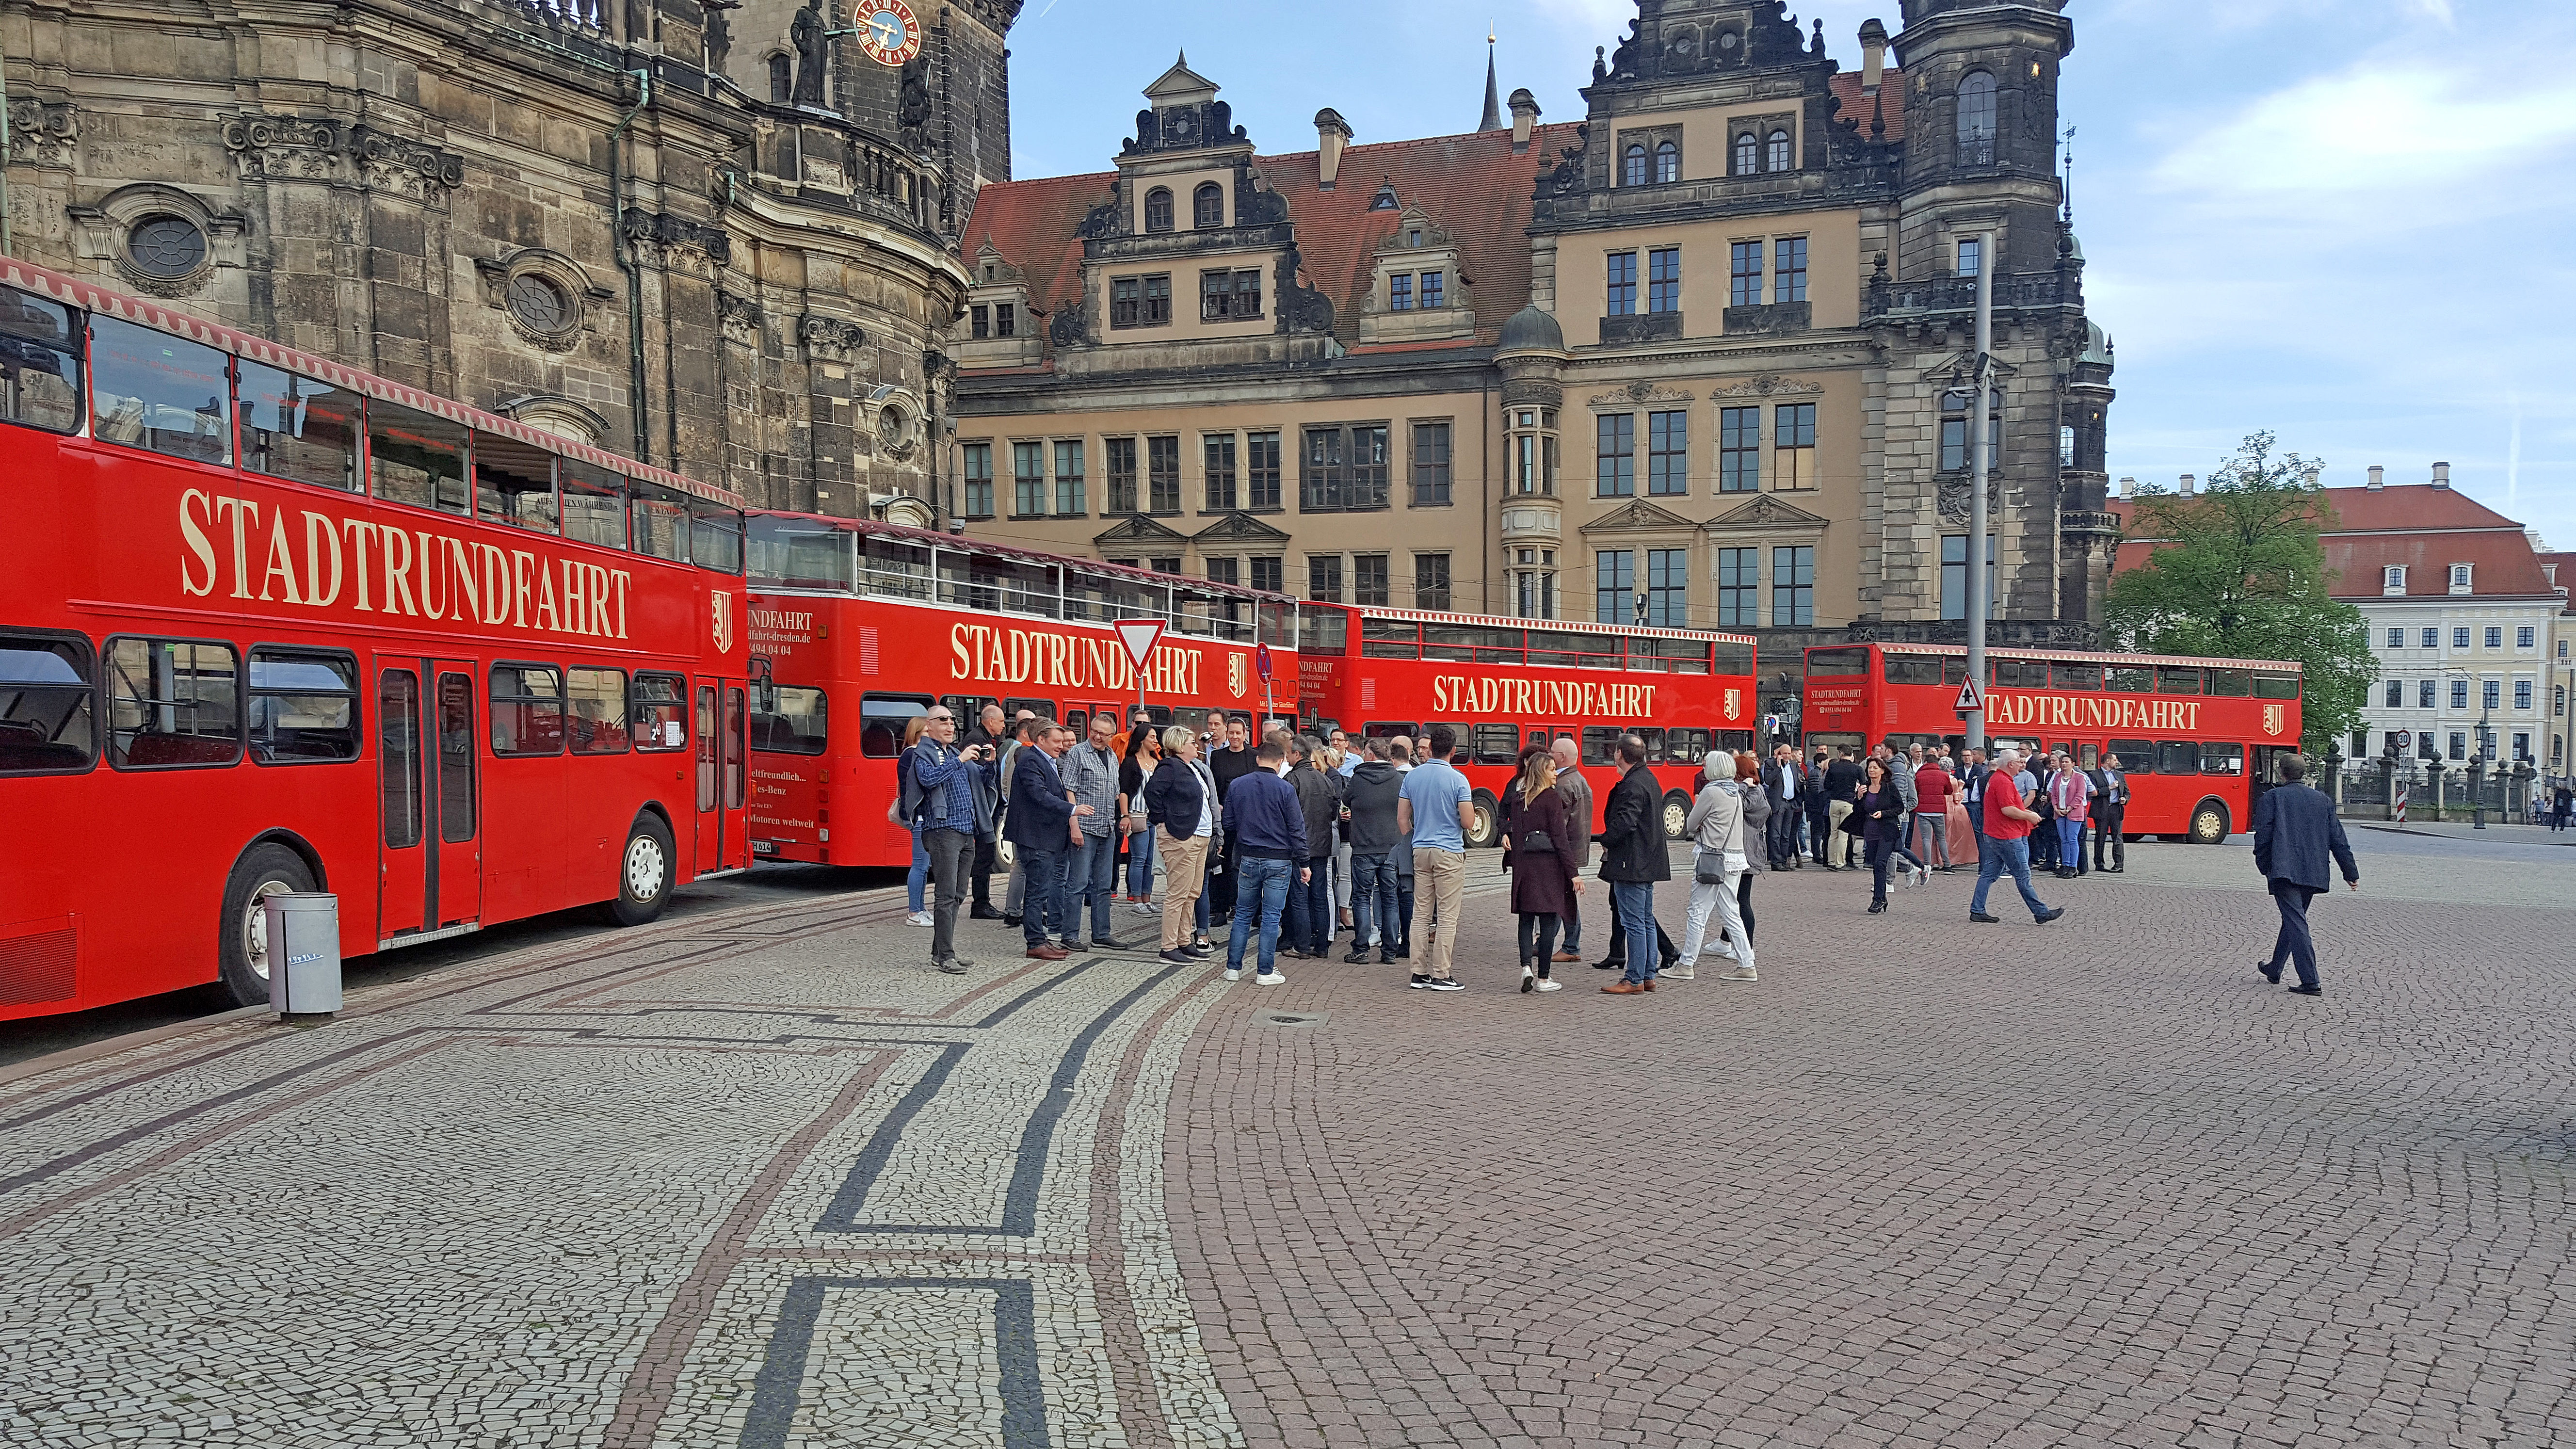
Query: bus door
point(723, 778)
point(2264, 775)
point(430, 871)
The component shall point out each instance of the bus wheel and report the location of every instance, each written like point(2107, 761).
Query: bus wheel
point(265, 870)
point(2209, 824)
point(1676, 814)
point(644, 874)
point(1486, 818)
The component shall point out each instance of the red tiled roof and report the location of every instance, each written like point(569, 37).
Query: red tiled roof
point(2504, 565)
point(2410, 506)
point(1889, 102)
point(1473, 186)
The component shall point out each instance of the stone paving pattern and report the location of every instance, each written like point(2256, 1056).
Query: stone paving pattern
point(757, 1176)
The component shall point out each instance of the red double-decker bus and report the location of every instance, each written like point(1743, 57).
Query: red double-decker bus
point(865, 625)
point(1504, 684)
point(272, 624)
point(2198, 737)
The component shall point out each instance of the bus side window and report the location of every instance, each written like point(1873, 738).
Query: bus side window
point(1598, 742)
point(593, 504)
point(1688, 747)
point(172, 703)
point(1954, 669)
point(2276, 686)
point(2177, 757)
point(661, 712)
point(2177, 679)
point(2230, 683)
point(800, 725)
point(2130, 679)
point(527, 709)
point(294, 427)
point(2086, 677)
point(882, 718)
point(2089, 757)
point(2135, 756)
point(2217, 759)
point(1042, 708)
point(1654, 739)
point(46, 723)
point(1915, 669)
point(1497, 744)
point(417, 458)
point(152, 390)
point(598, 713)
point(303, 706)
point(40, 370)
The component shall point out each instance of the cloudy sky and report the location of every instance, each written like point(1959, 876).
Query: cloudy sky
point(2350, 222)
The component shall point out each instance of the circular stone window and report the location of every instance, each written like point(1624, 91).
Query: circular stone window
point(538, 304)
point(166, 247)
point(893, 426)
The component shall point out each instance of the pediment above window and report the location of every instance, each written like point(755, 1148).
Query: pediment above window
point(1638, 516)
point(1239, 528)
point(1640, 394)
point(1136, 528)
point(1767, 511)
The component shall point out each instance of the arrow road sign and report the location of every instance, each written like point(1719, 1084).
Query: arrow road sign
point(1140, 636)
point(1969, 702)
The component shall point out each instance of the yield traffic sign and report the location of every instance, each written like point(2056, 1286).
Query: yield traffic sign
point(1140, 636)
point(1969, 701)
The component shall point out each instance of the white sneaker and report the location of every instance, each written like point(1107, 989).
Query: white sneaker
point(1724, 951)
point(1740, 973)
point(1679, 973)
point(917, 918)
point(1234, 973)
point(1148, 908)
point(1549, 984)
point(1267, 978)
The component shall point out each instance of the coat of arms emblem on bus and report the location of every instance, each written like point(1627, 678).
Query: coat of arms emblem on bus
point(1235, 677)
point(724, 621)
point(2272, 719)
point(1734, 703)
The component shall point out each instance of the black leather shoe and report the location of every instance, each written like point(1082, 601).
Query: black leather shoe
point(1609, 965)
point(953, 967)
point(1008, 920)
point(2307, 991)
point(1103, 943)
point(2268, 972)
point(2044, 917)
point(987, 913)
point(1878, 908)
point(1358, 956)
point(1983, 919)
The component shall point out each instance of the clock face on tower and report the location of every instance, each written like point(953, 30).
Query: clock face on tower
point(888, 31)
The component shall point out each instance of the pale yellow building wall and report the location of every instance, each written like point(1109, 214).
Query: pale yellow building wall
point(1834, 268)
point(1184, 272)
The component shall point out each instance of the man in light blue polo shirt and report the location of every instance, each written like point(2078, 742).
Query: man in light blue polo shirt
point(1436, 809)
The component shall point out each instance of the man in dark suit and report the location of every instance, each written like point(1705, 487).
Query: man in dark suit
point(1817, 828)
point(1042, 826)
point(2110, 802)
point(1786, 784)
point(2294, 830)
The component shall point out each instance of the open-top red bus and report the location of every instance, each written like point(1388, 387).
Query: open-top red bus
point(865, 625)
point(2198, 737)
point(272, 624)
point(1505, 683)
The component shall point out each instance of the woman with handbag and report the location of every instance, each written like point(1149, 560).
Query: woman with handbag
point(1748, 789)
point(1877, 820)
point(1543, 857)
point(1721, 856)
point(1144, 757)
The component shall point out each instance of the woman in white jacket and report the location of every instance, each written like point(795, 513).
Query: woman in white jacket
point(1720, 854)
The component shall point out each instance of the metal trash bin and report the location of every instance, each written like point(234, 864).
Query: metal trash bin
point(304, 955)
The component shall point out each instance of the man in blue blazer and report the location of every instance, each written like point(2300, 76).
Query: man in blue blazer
point(1041, 827)
point(2294, 830)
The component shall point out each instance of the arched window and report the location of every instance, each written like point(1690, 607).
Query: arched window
point(1748, 155)
point(782, 80)
point(1668, 162)
point(1779, 148)
point(1976, 118)
point(1632, 169)
point(1207, 205)
point(1158, 209)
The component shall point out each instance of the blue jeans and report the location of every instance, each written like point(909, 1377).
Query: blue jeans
point(1310, 908)
point(1373, 893)
point(914, 883)
point(1091, 874)
point(1262, 885)
point(2070, 843)
point(1634, 900)
point(1140, 864)
point(1042, 911)
point(2000, 855)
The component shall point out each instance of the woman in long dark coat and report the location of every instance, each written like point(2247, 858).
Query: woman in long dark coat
point(1545, 861)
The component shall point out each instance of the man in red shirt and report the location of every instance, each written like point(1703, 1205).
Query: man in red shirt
point(2008, 843)
point(1933, 787)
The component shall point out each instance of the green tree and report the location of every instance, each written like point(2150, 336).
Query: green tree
point(2239, 569)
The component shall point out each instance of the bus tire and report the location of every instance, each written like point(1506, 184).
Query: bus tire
point(1488, 821)
point(264, 870)
point(2208, 823)
point(647, 872)
point(1677, 808)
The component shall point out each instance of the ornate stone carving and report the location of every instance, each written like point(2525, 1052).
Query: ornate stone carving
point(739, 316)
point(1635, 394)
point(665, 233)
point(43, 133)
point(1769, 384)
point(1301, 308)
point(1106, 219)
point(1069, 327)
point(407, 168)
point(832, 337)
point(912, 104)
point(284, 147)
point(1956, 496)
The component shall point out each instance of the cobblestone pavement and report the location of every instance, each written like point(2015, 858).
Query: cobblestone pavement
point(759, 1177)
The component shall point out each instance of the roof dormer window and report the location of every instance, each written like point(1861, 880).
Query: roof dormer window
point(2460, 578)
point(2392, 579)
